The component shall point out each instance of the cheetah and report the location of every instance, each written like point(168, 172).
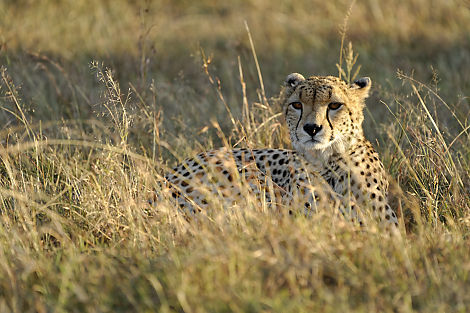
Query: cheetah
point(332, 164)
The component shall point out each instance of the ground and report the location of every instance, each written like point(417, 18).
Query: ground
point(99, 99)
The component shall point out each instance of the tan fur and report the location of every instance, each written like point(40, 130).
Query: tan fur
point(332, 165)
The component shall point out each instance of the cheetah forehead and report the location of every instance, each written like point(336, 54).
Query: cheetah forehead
point(321, 88)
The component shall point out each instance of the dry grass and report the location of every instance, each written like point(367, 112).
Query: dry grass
point(84, 144)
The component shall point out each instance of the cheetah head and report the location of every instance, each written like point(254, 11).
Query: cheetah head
point(323, 113)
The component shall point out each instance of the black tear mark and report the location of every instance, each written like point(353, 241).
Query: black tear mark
point(298, 122)
point(328, 118)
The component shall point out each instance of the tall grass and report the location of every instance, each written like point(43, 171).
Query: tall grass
point(84, 145)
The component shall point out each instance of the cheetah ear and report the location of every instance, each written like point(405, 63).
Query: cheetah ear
point(292, 80)
point(362, 86)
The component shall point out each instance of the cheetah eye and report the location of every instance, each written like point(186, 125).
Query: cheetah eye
point(335, 105)
point(296, 105)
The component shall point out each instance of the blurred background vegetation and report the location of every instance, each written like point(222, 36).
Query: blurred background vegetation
point(48, 46)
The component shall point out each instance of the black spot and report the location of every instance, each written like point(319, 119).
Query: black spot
point(387, 217)
point(375, 180)
point(186, 174)
point(372, 195)
point(356, 164)
point(275, 172)
point(269, 163)
point(381, 198)
point(331, 182)
point(281, 162)
point(362, 172)
point(275, 156)
point(284, 174)
point(229, 177)
point(368, 185)
point(184, 184)
point(225, 172)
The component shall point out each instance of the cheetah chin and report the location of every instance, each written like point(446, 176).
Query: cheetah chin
point(315, 151)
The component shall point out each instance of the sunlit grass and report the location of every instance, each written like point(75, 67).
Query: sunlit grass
point(84, 145)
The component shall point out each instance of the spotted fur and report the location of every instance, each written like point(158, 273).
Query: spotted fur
point(332, 165)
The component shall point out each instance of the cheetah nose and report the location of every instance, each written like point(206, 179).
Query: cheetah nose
point(312, 129)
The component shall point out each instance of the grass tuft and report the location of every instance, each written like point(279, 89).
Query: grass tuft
point(83, 147)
